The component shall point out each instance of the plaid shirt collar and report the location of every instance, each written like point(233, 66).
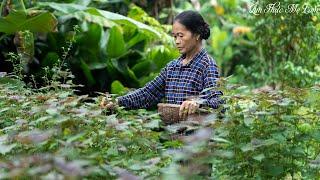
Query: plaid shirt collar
point(193, 62)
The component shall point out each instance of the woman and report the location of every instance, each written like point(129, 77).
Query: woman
point(184, 77)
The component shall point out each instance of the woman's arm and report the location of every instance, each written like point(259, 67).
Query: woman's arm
point(146, 96)
point(211, 95)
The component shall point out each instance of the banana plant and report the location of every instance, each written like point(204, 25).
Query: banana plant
point(111, 50)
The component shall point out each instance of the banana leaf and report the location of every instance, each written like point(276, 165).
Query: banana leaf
point(34, 21)
point(94, 15)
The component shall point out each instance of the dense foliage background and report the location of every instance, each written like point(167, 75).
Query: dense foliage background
point(59, 57)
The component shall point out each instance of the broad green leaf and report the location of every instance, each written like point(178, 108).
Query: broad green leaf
point(228, 53)
point(139, 14)
point(112, 151)
point(128, 21)
point(128, 74)
point(111, 68)
point(259, 157)
point(117, 87)
point(97, 65)
point(173, 144)
point(116, 45)
point(104, 40)
point(279, 137)
point(75, 137)
point(285, 102)
point(269, 142)
point(224, 154)
point(40, 120)
point(90, 16)
point(118, 65)
point(66, 8)
point(231, 3)
point(52, 111)
point(219, 139)
point(161, 55)
point(248, 121)
point(155, 123)
point(50, 59)
point(3, 138)
point(274, 170)
point(142, 69)
point(136, 39)
point(316, 135)
point(247, 147)
point(145, 79)
point(69, 8)
point(132, 76)
point(87, 72)
point(302, 111)
point(112, 120)
point(297, 152)
point(20, 21)
point(90, 48)
point(172, 172)
point(4, 109)
point(6, 148)
point(219, 39)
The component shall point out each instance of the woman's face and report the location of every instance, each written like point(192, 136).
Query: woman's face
point(184, 39)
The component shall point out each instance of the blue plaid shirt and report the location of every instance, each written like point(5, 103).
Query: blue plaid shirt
point(177, 82)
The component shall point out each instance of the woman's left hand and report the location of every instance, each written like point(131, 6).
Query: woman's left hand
point(188, 107)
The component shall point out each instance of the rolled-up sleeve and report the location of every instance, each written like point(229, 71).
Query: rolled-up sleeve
point(146, 96)
point(210, 95)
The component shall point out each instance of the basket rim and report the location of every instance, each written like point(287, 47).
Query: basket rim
point(168, 105)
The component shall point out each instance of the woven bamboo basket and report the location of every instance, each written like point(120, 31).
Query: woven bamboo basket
point(169, 114)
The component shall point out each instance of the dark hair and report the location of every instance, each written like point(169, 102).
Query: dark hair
point(194, 22)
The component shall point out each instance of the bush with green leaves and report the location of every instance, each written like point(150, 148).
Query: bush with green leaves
point(111, 48)
point(109, 51)
point(55, 133)
point(269, 48)
point(262, 135)
point(287, 45)
point(270, 134)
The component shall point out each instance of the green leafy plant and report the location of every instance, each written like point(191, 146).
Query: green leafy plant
point(55, 131)
point(269, 134)
point(285, 46)
point(109, 47)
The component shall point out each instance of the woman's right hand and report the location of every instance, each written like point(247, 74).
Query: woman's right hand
point(103, 102)
point(188, 107)
point(107, 103)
